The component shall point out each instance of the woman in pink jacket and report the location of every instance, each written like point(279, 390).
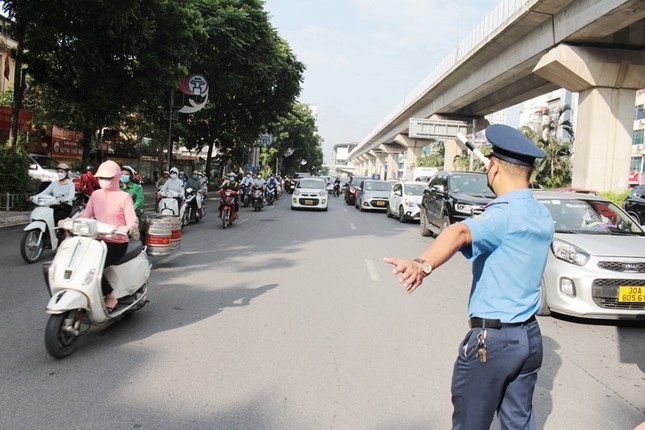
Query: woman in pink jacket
point(110, 205)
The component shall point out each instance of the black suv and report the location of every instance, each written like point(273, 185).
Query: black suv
point(452, 197)
point(634, 204)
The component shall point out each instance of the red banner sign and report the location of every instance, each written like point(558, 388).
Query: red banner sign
point(65, 144)
point(24, 119)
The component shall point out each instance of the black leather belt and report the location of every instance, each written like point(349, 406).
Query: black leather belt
point(491, 323)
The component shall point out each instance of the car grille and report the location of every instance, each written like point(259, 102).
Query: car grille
point(605, 293)
point(616, 266)
point(308, 202)
point(375, 203)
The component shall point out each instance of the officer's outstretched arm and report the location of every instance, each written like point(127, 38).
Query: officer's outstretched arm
point(443, 247)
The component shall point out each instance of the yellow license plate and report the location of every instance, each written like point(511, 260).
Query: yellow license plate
point(627, 294)
point(380, 203)
point(309, 202)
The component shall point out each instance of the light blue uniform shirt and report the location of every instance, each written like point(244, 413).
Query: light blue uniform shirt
point(510, 242)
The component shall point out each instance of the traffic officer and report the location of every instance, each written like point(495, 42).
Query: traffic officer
point(496, 368)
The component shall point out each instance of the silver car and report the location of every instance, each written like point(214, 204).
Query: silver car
point(373, 195)
point(596, 266)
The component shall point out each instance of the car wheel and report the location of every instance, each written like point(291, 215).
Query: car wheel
point(445, 222)
point(544, 311)
point(387, 211)
point(423, 225)
point(635, 216)
point(360, 206)
point(401, 214)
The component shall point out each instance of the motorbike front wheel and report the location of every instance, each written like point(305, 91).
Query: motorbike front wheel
point(226, 214)
point(30, 248)
point(60, 342)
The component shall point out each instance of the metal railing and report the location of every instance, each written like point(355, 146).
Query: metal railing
point(14, 202)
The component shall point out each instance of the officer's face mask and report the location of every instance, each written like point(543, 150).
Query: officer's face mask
point(195, 176)
point(231, 178)
point(173, 176)
point(125, 179)
point(61, 175)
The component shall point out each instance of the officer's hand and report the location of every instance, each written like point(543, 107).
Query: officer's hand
point(411, 272)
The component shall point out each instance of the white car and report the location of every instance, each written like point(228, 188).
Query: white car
point(310, 193)
point(405, 201)
point(596, 265)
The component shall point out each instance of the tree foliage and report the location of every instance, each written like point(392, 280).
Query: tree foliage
point(295, 136)
point(555, 170)
point(253, 76)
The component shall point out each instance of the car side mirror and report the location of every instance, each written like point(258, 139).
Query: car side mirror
point(438, 188)
point(33, 167)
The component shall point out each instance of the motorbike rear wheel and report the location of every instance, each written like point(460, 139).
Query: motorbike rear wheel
point(58, 342)
point(30, 249)
point(226, 218)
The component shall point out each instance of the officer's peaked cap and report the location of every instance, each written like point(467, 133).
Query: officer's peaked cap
point(512, 145)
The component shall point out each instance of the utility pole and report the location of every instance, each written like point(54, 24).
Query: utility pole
point(170, 118)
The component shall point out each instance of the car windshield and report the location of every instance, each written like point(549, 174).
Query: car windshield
point(377, 186)
point(414, 189)
point(470, 184)
point(312, 184)
point(590, 217)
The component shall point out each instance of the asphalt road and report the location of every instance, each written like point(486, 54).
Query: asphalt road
point(290, 320)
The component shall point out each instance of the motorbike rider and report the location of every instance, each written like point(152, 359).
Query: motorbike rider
point(194, 181)
point(63, 189)
point(88, 181)
point(164, 178)
point(110, 205)
point(174, 184)
point(272, 182)
point(247, 181)
point(129, 185)
point(232, 184)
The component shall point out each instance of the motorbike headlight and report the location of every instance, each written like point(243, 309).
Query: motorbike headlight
point(83, 228)
point(464, 208)
point(570, 253)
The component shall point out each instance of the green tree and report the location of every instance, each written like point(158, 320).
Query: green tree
point(555, 169)
point(253, 76)
point(295, 136)
point(104, 60)
point(435, 158)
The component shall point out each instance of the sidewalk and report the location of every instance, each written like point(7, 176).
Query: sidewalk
point(10, 219)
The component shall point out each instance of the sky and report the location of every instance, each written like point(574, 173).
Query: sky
point(363, 57)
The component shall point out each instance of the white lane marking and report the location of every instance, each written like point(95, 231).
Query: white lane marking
point(371, 269)
point(352, 226)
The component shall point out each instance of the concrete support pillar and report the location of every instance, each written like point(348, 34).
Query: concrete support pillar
point(451, 150)
point(603, 139)
point(607, 80)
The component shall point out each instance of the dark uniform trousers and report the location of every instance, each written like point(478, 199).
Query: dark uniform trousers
point(505, 383)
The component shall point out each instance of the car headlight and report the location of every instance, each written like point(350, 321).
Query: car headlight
point(409, 204)
point(296, 192)
point(570, 253)
point(322, 193)
point(464, 208)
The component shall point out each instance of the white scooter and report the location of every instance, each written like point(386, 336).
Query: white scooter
point(41, 233)
point(169, 206)
point(74, 282)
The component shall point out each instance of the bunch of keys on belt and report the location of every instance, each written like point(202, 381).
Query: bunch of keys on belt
point(481, 346)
